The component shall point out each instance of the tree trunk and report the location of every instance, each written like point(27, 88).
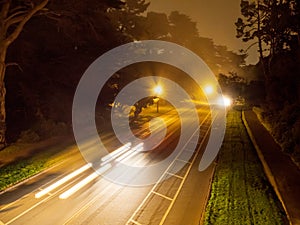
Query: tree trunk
point(260, 47)
point(2, 116)
point(2, 99)
point(298, 35)
point(5, 40)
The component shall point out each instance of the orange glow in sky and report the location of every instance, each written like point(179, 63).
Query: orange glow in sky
point(215, 20)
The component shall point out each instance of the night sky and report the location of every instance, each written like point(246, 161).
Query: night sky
point(215, 19)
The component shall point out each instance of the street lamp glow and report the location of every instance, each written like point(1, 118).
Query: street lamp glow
point(225, 101)
point(158, 90)
point(208, 89)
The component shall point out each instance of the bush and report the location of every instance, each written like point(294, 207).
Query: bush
point(28, 136)
point(49, 128)
point(43, 130)
point(284, 125)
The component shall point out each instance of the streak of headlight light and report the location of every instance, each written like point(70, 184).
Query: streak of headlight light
point(84, 182)
point(116, 153)
point(63, 180)
point(131, 153)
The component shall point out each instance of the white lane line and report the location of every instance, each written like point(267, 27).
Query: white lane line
point(163, 196)
point(84, 182)
point(174, 175)
point(166, 171)
point(135, 222)
point(181, 160)
point(34, 206)
point(27, 210)
point(63, 180)
point(185, 177)
point(103, 192)
point(26, 180)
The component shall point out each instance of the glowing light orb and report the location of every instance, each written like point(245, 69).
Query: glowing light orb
point(208, 90)
point(158, 90)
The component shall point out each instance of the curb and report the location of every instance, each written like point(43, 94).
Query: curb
point(21, 182)
point(13, 186)
point(202, 218)
point(266, 167)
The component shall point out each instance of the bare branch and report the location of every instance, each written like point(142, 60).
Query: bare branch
point(12, 21)
point(50, 14)
point(250, 46)
point(5, 9)
point(14, 64)
point(14, 15)
point(17, 8)
point(13, 36)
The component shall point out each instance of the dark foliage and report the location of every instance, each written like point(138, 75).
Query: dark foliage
point(275, 24)
point(58, 45)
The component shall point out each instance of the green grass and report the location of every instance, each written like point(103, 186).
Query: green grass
point(241, 193)
point(24, 168)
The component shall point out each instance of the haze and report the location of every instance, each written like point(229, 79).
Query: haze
point(215, 20)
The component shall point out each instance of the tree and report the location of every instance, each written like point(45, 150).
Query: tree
point(128, 19)
point(13, 17)
point(274, 23)
point(156, 26)
point(232, 84)
point(182, 29)
point(252, 26)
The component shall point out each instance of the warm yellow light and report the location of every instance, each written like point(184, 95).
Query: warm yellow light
point(158, 90)
point(208, 89)
point(227, 101)
point(63, 180)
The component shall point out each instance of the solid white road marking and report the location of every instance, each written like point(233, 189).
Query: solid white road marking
point(135, 222)
point(161, 195)
point(174, 175)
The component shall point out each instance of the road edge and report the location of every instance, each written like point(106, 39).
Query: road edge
point(266, 167)
point(45, 170)
point(202, 218)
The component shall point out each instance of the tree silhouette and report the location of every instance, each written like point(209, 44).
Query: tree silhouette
point(182, 29)
point(276, 24)
point(273, 23)
point(129, 19)
point(251, 27)
point(13, 17)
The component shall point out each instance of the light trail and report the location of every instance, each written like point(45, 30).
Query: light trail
point(84, 182)
point(115, 154)
point(135, 150)
point(63, 180)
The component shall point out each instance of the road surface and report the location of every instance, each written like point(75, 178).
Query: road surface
point(71, 192)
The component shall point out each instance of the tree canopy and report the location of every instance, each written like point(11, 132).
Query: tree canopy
point(66, 36)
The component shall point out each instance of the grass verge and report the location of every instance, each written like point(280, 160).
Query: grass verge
point(25, 167)
point(241, 193)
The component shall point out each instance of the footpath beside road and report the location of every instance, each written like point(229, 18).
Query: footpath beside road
point(282, 173)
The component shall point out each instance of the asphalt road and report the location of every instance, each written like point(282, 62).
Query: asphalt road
point(180, 199)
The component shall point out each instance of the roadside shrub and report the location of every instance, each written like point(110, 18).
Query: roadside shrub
point(28, 136)
point(50, 128)
point(43, 130)
point(284, 125)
